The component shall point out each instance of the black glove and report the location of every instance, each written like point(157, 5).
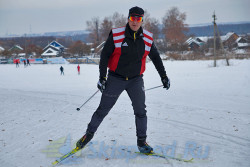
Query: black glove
point(166, 82)
point(101, 85)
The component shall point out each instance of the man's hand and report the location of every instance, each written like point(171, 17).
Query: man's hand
point(165, 82)
point(101, 85)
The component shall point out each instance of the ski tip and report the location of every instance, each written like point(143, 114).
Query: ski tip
point(55, 162)
point(190, 160)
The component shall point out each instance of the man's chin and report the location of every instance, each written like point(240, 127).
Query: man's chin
point(134, 28)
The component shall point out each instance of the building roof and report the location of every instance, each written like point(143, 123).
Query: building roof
point(227, 36)
point(1, 49)
point(204, 39)
point(52, 49)
point(17, 47)
point(193, 40)
point(49, 52)
point(54, 44)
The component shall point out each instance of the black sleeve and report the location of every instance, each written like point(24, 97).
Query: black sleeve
point(156, 59)
point(107, 51)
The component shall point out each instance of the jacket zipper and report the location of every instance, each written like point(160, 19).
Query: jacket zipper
point(135, 36)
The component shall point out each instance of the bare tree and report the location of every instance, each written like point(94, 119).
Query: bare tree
point(34, 49)
point(94, 27)
point(151, 24)
point(119, 20)
point(6, 53)
point(79, 49)
point(174, 28)
point(65, 41)
point(105, 29)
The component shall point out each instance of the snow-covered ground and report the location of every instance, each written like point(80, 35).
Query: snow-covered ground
point(205, 113)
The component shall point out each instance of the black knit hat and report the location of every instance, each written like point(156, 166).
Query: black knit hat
point(136, 11)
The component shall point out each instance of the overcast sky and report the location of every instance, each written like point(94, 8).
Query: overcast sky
point(37, 16)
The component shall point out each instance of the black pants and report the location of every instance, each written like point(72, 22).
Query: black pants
point(114, 87)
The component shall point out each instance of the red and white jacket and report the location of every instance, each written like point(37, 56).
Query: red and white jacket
point(125, 53)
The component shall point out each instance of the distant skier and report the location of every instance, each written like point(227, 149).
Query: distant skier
point(17, 63)
point(62, 70)
point(28, 62)
point(24, 63)
point(125, 53)
point(78, 69)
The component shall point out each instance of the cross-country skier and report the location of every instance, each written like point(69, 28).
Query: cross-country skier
point(17, 63)
point(78, 69)
point(125, 53)
point(62, 70)
point(24, 63)
point(28, 62)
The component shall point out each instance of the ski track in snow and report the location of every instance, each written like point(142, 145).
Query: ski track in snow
point(38, 105)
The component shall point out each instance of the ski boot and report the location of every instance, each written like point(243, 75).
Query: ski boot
point(84, 140)
point(143, 146)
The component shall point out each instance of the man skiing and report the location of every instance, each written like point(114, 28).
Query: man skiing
point(28, 62)
point(62, 70)
point(125, 53)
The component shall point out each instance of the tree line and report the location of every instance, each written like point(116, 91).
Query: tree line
point(171, 36)
point(173, 28)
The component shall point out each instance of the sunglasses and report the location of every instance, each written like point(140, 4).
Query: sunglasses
point(136, 18)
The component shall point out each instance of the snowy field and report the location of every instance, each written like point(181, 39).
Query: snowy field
point(205, 114)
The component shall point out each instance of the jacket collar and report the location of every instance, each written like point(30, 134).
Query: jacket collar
point(129, 32)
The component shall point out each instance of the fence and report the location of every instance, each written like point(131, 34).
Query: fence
point(85, 60)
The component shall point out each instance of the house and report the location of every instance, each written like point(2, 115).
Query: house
point(1, 49)
point(195, 43)
point(17, 50)
point(242, 43)
point(3, 59)
point(229, 39)
point(54, 49)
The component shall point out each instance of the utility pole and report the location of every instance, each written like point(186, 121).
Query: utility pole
point(25, 47)
point(222, 46)
point(214, 17)
point(221, 43)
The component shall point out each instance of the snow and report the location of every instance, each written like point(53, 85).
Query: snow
point(57, 60)
point(205, 107)
point(245, 45)
point(240, 51)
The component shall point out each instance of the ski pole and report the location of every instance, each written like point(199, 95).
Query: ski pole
point(153, 87)
point(78, 109)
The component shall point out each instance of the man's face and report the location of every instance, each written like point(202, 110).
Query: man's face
point(134, 25)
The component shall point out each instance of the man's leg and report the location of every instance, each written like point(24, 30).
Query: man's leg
point(114, 88)
point(136, 93)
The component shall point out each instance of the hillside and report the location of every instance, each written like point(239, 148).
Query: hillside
point(207, 30)
point(197, 30)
